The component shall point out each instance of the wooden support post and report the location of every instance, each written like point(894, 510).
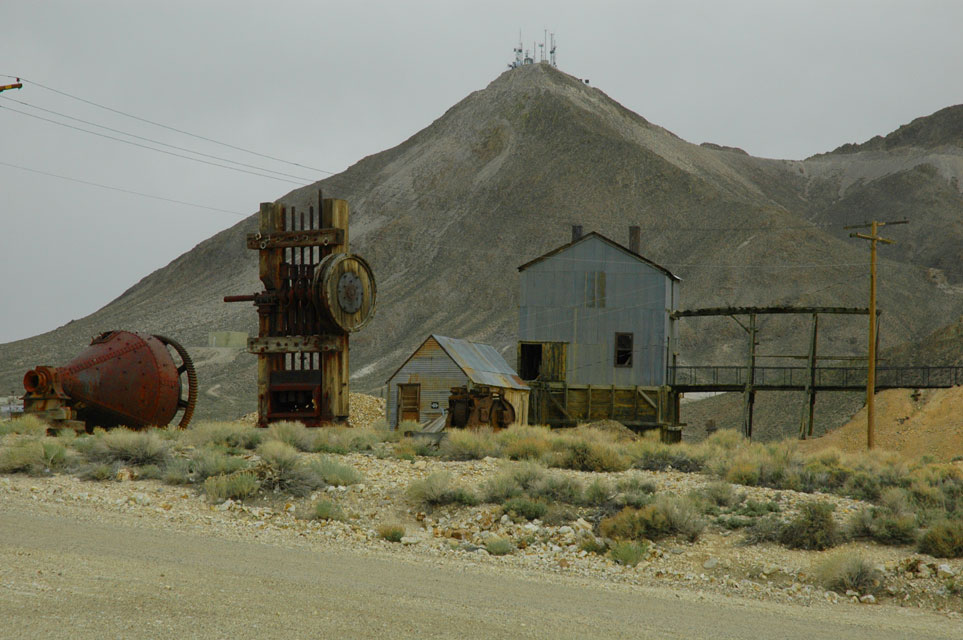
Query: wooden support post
point(804, 428)
point(749, 394)
point(588, 410)
point(334, 364)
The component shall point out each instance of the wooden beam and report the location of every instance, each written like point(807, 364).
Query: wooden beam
point(745, 311)
point(302, 238)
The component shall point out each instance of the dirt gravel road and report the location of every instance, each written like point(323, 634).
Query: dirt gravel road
point(65, 574)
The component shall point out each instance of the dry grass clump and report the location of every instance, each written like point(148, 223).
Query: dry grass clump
point(469, 444)
point(883, 525)
point(438, 489)
point(28, 425)
point(524, 508)
point(849, 572)
point(33, 456)
point(391, 532)
point(286, 471)
point(584, 452)
point(628, 553)
point(499, 546)
point(213, 461)
point(327, 510)
point(943, 539)
point(125, 446)
point(236, 486)
point(342, 440)
point(233, 435)
point(525, 442)
point(294, 434)
point(336, 474)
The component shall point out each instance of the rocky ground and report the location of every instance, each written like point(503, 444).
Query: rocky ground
point(455, 536)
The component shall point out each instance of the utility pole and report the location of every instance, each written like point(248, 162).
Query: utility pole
point(873, 237)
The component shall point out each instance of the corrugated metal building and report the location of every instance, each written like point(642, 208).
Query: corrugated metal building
point(419, 389)
point(594, 312)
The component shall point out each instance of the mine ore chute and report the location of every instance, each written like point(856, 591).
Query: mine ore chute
point(122, 379)
point(315, 294)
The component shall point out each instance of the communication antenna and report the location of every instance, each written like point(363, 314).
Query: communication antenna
point(551, 51)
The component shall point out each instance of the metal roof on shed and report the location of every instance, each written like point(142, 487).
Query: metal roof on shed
point(480, 362)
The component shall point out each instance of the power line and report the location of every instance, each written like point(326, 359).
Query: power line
point(164, 144)
point(136, 193)
point(144, 146)
point(169, 128)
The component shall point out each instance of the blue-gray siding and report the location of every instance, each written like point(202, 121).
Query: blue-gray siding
point(638, 298)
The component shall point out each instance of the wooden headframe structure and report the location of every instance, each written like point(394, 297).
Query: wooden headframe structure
point(315, 294)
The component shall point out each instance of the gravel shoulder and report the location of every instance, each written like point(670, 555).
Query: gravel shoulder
point(131, 558)
point(72, 573)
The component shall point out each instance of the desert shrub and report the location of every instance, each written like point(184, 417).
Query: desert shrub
point(725, 440)
point(293, 433)
point(380, 424)
point(211, 461)
point(754, 509)
point(524, 508)
point(439, 489)
point(557, 487)
point(863, 486)
point(236, 486)
point(126, 446)
point(635, 483)
point(468, 444)
point(176, 471)
point(336, 474)
point(733, 522)
point(598, 492)
point(33, 456)
point(234, 435)
point(343, 440)
point(287, 471)
point(743, 472)
point(582, 454)
point(883, 526)
point(683, 516)
point(27, 424)
point(513, 481)
point(766, 529)
point(660, 457)
point(722, 494)
point(327, 510)
point(813, 528)
point(408, 426)
point(97, 472)
point(66, 436)
point(499, 546)
point(149, 472)
point(943, 539)
point(628, 553)
point(391, 532)
point(591, 544)
point(849, 572)
point(525, 442)
point(558, 515)
point(635, 524)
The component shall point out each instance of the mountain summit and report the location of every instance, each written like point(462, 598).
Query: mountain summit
point(445, 217)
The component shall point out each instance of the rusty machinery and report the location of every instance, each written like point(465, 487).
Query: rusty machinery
point(122, 378)
point(315, 294)
point(478, 406)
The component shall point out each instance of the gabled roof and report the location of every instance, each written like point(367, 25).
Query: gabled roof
point(613, 243)
point(480, 362)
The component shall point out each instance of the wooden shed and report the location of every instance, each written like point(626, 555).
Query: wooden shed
point(419, 389)
point(595, 333)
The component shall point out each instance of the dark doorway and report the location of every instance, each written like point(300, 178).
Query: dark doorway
point(529, 361)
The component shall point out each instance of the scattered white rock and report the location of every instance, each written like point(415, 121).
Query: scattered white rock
point(868, 599)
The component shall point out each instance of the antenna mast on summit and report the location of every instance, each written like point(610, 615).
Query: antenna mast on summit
point(551, 51)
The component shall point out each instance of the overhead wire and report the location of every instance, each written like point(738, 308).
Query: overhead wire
point(164, 144)
point(122, 190)
point(168, 127)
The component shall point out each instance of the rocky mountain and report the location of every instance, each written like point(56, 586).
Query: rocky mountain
point(445, 218)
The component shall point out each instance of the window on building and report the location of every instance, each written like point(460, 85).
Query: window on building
point(595, 289)
point(623, 349)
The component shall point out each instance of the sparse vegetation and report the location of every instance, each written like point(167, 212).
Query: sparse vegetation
point(236, 486)
point(336, 474)
point(212, 461)
point(523, 508)
point(327, 510)
point(813, 528)
point(628, 553)
point(391, 532)
point(943, 540)
point(499, 546)
point(234, 436)
point(668, 515)
point(125, 446)
point(849, 572)
point(439, 489)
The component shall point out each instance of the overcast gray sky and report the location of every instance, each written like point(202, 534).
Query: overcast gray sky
point(323, 84)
